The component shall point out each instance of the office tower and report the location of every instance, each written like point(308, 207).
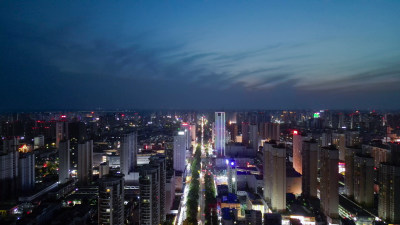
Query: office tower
point(364, 180)
point(111, 200)
point(26, 172)
point(275, 176)
point(310, 168)
point(85, 162)
point(220, 133)
point(149, 195)
point(329, 185)
point(253, 217)
point(297, 151)
point(245, 133)
point(104, 169)
point(272, 219)
point(180, 151)
point(254, 137)
point(159, 161)
point(349, 165)
point(64, 161)
point(77, 130)
point(232, 176)
point(128, 154)
point(61, 132)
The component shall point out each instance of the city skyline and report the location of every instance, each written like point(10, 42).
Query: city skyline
point(194, 55)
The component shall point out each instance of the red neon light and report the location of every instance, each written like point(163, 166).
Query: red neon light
point(63, 116)
point(295, 132)
point(185, 124)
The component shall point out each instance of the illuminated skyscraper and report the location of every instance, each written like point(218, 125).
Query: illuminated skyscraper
point(220, 133)
point(297, 151)
point(180, 151)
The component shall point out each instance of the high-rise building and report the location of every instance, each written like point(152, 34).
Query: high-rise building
point(159, 161)
point(389, 193)
point(245, 133)
point(185, 127)
point(349, 165)
point(329, 185)
point(8, 169)
point(128, 154)
point(310, 168)
point(64, 161)
point(26, 172)
point(364, 180)
point(253, 217)
point(38, 142)
point(270, 131)
point(220, 131)
point(232, 176)
point(275, 176)
point(61, 132)
point(180, 151)
point(104, 169)
point(193, 133)
point(111, 200)
point(339, 140)
point(85, 162)
point(233, 131)
point(254, 137)
point(149, 205)
point(297, 151)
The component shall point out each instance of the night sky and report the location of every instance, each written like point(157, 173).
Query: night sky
point(199, 54)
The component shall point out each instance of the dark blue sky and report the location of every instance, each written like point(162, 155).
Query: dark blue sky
point(199, 54)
